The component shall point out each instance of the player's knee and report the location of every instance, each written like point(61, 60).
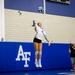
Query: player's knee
point(36, 52)
point(40, 52)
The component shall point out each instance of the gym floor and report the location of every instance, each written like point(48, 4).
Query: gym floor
point(43, 72)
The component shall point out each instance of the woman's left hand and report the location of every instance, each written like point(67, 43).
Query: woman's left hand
point(48, 43)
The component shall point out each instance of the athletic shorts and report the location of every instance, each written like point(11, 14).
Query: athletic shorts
point(73, 60)
point(37, 40)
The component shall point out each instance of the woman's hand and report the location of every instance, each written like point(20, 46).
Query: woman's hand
point(48, 43)
point(33, 25)
point(69, 51)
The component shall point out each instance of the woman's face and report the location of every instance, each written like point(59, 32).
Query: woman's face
point(39, 24)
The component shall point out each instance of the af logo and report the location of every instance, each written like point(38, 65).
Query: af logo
point(23, 56)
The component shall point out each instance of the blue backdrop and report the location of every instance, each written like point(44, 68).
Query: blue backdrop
point(51, 7)
point(55, 56)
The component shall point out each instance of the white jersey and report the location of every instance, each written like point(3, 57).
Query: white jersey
point(39, 32)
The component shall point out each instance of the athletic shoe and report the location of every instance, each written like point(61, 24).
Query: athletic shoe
point(40, 65)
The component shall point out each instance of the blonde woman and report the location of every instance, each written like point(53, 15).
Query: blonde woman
point(38, 42)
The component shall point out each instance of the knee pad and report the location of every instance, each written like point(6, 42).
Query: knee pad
point(36, 52)
point(40, 52)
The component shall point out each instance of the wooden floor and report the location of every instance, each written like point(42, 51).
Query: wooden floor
point(43, 72)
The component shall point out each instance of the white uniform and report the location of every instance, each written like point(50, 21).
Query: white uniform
point(39, 32)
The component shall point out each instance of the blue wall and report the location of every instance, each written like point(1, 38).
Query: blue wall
point(55, 56)
point(52, 7)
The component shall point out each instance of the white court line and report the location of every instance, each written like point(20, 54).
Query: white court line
point(67, 73)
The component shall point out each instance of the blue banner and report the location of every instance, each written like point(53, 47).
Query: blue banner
point(15, 56)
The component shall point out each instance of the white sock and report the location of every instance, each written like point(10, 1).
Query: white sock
point(39, 61)
point(40, 65)
point(36, 54)
point(36, 60)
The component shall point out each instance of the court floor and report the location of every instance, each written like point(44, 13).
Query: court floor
point(43, 72)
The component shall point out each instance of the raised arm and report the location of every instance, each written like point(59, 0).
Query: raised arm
point(34, 23)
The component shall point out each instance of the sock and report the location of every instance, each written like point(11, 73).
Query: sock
point(36, 58)
point(39, 61)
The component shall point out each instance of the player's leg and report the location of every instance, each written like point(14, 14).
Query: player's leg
point(36, 53)
point(40, 54)
point(72, 62)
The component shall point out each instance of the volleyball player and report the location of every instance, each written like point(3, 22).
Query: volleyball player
point(38, 42)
